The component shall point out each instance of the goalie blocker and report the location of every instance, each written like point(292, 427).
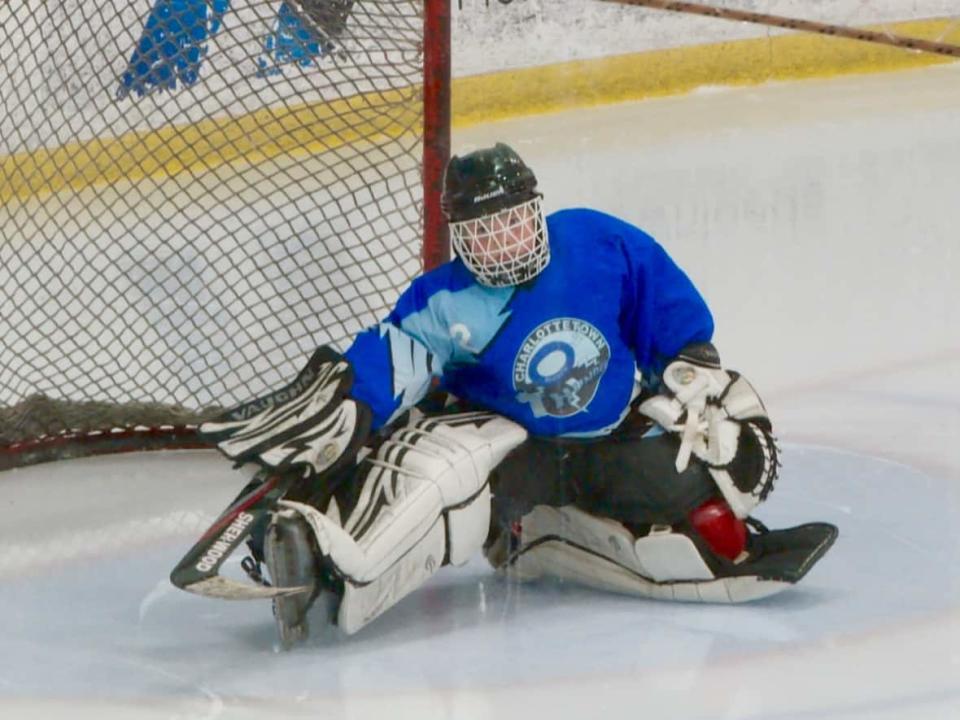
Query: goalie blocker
point(291, 440)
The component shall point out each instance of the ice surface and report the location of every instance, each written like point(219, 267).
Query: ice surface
point(819, 220)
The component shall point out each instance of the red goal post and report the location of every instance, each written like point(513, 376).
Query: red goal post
point(194, 194)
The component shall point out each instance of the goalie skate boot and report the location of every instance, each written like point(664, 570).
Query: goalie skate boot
point(291, 557)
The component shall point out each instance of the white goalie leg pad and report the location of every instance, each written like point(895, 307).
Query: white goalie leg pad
point(571, 544)
point(425, 499)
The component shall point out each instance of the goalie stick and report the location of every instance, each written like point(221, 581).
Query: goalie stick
point(199, 570)
point(302, 433)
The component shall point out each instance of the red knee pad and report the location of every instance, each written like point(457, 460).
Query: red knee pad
point(724, 532)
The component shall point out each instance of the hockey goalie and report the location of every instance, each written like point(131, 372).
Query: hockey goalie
point(594, 434)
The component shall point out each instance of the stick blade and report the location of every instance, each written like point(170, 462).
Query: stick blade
point(228, 589)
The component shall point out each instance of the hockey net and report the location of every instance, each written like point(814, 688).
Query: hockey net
point(194, 195)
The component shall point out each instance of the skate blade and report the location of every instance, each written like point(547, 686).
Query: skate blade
point(290, 613)
point(292, 635)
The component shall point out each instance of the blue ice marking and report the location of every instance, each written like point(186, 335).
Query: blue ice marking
point(172, 45)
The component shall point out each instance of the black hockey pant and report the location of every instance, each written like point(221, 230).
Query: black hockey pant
point(628, 476)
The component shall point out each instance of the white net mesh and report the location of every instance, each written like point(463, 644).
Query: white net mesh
point(194, 195)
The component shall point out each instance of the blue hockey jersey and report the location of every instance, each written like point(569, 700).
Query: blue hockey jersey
point(561, 355)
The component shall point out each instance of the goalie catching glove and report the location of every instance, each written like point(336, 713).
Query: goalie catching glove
point(721, 421)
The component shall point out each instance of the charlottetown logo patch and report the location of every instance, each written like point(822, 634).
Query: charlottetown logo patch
point(559, 367)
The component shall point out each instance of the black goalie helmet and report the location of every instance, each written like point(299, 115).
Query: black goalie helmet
point(496, 216)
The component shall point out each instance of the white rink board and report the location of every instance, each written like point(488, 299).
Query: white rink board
point(490, 36)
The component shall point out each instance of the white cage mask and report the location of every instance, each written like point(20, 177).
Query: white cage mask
point(504, 248)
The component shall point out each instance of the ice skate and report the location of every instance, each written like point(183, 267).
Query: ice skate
point(292, 562)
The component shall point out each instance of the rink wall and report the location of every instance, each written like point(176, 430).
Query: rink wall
point(547, 57)
point(670, 71)
point(495, 35)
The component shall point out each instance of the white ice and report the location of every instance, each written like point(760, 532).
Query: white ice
point(819, 219)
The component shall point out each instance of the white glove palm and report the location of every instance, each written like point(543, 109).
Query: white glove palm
point(706, 431)
point(709, 408)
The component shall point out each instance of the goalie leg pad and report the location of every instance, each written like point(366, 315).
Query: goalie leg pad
point(363, 602)
point(663, 564)
point(424, 501)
